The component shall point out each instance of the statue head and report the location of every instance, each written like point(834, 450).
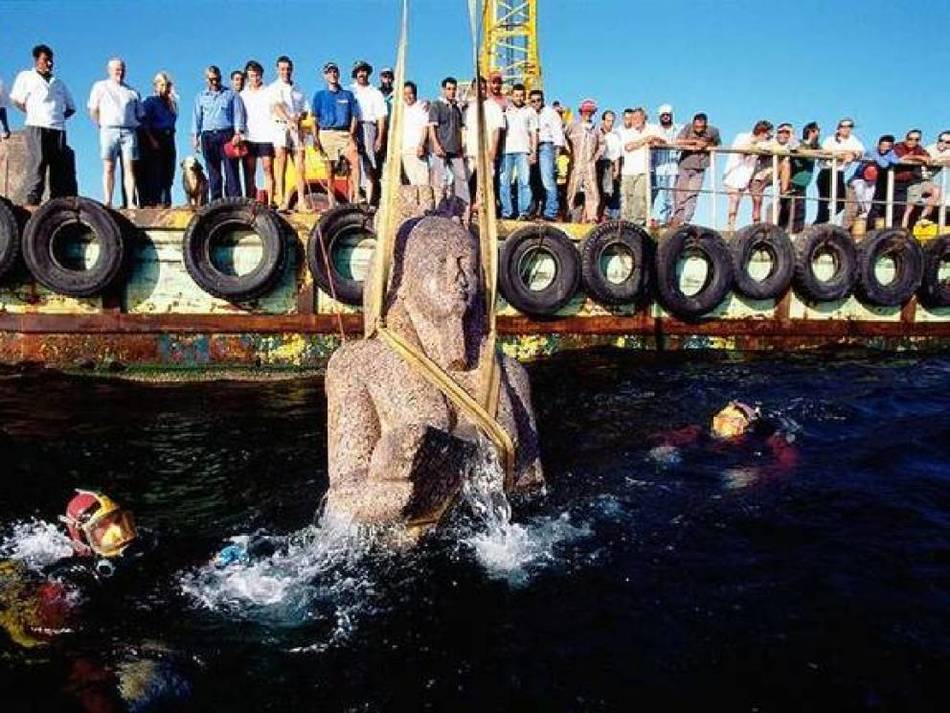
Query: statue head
point(437, 283)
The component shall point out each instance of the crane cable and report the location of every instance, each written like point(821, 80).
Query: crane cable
point(481, 411)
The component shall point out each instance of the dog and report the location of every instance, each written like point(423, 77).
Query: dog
point(194, 182)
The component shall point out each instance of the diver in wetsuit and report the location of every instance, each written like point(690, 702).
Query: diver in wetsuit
point(37, 607)
point(735, 428)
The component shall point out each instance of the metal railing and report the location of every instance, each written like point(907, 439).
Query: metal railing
point(835, 217)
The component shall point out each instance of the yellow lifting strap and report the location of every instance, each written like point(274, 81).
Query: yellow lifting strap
point(481, 411)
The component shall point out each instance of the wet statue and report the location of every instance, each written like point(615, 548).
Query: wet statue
point(398, 449)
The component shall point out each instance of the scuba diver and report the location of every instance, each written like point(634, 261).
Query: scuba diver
point(737, 429)
point(39, 605)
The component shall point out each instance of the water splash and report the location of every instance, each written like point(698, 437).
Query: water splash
point(317, 574)
point(505, 549)
point(36, 543)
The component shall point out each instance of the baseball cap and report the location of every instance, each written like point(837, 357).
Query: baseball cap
point(664, 109)
point(330, 65)
point(387, 70)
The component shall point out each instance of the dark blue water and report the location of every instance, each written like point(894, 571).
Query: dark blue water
point(647, 577)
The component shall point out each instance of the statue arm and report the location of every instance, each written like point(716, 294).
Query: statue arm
point(353, 427)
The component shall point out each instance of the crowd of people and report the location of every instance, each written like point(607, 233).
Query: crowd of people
point(547, 164)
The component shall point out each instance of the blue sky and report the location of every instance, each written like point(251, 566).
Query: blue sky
point(880, 62)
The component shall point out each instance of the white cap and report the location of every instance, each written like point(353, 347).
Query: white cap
point(664, 109)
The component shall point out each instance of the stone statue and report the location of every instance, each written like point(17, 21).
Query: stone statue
point(397, 447)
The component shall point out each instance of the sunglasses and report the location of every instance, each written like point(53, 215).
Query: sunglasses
point(784, 131)
point(845, 126)
point(913, 138)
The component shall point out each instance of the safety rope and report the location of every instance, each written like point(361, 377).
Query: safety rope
point(481, 410)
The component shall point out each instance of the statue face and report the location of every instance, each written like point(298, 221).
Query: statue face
point(440, 286)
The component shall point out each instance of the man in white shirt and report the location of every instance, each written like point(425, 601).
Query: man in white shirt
point(550, 143)
point(415, 129)
point(372, 130)
point(740, 168)
point(665, 165)
point(116, 109)
point(520, 152)
point(608, 166)
point(939, 159)
point(636, 137)
point(47, 103)
point(258, 106)
point(847, 149)
point(289, 108)
point(495, 127)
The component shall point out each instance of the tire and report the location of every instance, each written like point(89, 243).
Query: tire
point(9, 237)
point(719, 275)
point(908, 258)
point(337, 224)
point(202, 232)
point(514, 283)
point(773, 240)
point(38, 245)
point(633, 240)
point(813, 240)
point(933, 292)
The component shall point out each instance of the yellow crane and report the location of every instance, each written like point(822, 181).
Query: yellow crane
point(510, 41)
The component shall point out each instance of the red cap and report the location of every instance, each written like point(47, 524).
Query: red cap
point(588, 105)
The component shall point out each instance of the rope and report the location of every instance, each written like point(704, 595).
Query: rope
point(480, 411)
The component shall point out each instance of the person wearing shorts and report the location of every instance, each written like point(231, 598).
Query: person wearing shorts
point(258, 103)
point(117, 109)
point(336, 114)
point(289, 107)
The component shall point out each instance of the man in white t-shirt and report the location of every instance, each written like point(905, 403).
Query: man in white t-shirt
point(550, 142)
point(415, 130)
point(608, 166)
point(289, 107)
point(495, 126)
point(847, 149)
point(637, 137)
point(258, 106)
point(48, 104)
point(372, 125)
point(519, 153)
point(116, 108)
point(740, 168)
point(665, 166)
point(940, 159)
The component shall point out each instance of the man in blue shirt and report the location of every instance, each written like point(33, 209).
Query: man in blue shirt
point(218, 119)
point(335, 113)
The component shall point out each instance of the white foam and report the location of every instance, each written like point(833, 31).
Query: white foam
point(665, 456)
point(315, 574)
point(505, 549)
point(36, 543)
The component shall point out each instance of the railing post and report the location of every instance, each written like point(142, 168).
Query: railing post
point(776, 189)
point(833, 204)
point(942, 209)
point(714, 213)
point(889, 200)
point(649, 184)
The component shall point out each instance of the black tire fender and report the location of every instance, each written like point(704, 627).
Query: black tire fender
point(515, 284)
point(809, 243)
point(9, 237)
point(719, 277)
point(46, 224)
point(933, 291)
point(773, 240)
point(632, 239)
point(903, 248)
point(337, 224)
point(226, 214)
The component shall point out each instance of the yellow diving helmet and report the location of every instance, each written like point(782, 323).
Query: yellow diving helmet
point(734, 420)
point(98, 525)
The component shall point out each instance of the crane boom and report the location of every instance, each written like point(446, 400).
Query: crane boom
point(510, 41)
